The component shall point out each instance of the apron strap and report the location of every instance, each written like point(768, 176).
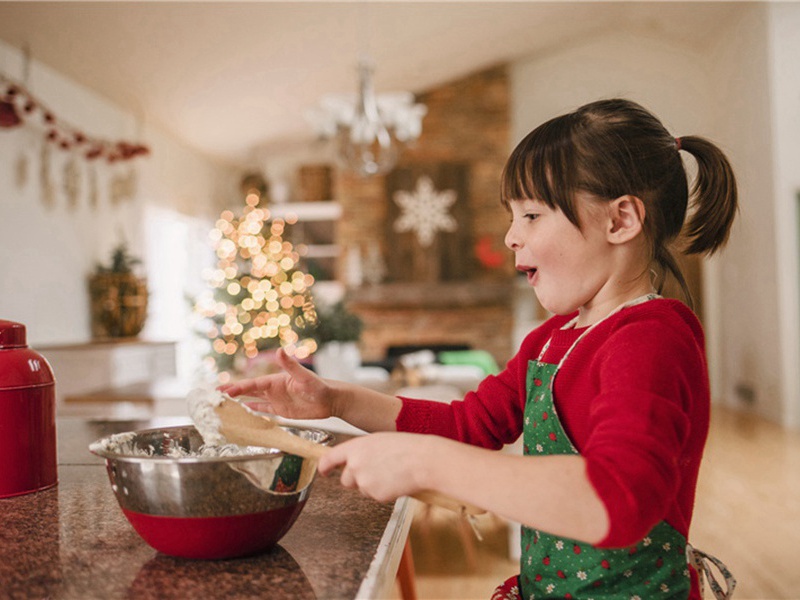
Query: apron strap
point(699, 561)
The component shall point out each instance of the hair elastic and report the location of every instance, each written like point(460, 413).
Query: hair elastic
point(678, 143)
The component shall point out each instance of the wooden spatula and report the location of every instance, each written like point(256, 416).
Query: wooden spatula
point(241, 426)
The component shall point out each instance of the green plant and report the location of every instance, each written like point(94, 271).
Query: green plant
point(121, 261)
point(118, 296)
point(336, 324)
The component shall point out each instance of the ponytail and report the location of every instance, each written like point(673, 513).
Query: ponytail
point(614, 147)
point(713, 197)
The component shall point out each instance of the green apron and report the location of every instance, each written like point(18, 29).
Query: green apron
point(557, 567)
point(552, 566)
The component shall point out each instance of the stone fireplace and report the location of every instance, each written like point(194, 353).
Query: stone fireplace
point(474, 314)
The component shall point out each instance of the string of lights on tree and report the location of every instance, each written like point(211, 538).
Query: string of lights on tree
point(259, 300)
point(18, 106)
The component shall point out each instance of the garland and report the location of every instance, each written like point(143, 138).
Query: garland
point(18, 106)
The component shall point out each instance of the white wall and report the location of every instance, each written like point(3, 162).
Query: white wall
point(784, 49)
point(750, 332)
point(719, 89)
point(667, 79)
point(47, 251)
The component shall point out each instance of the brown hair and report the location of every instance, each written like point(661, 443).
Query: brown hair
point(611, 148)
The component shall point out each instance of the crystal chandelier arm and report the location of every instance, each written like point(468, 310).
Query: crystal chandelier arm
point(367, 125)
point(369, 128)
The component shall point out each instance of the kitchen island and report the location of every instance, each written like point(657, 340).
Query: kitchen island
point(73, 541)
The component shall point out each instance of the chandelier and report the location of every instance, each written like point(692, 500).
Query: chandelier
point(369, 130)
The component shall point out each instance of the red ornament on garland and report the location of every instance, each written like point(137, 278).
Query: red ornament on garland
point(8, 114)
point(16, 103)
point(94, 152)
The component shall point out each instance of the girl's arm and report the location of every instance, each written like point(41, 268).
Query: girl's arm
point(298, 393)
point(551, 493)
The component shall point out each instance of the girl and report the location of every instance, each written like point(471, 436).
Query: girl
point(610, 394)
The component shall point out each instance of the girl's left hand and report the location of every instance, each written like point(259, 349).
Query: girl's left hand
point(383, 466)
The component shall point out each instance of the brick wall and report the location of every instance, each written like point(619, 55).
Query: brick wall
point(467, 122)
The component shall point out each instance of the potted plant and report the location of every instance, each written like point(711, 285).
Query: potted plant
point(118, 297)
point(337, 333)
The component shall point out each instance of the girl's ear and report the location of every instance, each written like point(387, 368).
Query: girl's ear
point(626, 219)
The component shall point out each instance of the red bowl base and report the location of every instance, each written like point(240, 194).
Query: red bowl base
point(212, 538)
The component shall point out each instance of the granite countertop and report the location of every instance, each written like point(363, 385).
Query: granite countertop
point(73, 541)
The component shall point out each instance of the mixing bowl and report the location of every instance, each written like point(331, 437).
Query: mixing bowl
point(186, 504)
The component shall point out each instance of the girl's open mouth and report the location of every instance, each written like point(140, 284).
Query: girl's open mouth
point(530, 272)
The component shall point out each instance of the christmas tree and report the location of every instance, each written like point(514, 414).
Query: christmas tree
point(259, 300)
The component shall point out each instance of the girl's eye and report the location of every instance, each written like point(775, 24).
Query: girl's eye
point(531, 216)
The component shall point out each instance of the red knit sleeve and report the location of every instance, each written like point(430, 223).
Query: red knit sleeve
point(490, 416)
point(648, 425)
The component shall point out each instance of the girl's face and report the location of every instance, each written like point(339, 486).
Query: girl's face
point(569, 268)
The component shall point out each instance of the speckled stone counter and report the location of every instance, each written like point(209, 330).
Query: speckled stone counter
point(73, 541)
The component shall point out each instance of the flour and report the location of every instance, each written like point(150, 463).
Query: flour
point(115, 444)
point(202, 404)
point(124, 444)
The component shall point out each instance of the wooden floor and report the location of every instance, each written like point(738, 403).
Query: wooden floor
point(747, 514)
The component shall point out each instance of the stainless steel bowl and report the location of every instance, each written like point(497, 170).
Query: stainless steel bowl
point(206, 507)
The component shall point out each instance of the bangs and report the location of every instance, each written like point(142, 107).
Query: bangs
point(543, 167)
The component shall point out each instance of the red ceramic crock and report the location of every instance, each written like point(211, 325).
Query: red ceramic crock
point(27, 416)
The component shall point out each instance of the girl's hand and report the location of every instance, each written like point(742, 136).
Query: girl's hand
point(297, 393)
point(383, 466)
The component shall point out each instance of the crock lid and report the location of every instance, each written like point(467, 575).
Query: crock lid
point(12, 335)
point(20, 366)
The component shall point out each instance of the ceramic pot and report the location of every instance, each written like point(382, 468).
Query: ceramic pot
point(338, 360)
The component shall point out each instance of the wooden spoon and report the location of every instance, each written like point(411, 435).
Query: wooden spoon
point(241, 426)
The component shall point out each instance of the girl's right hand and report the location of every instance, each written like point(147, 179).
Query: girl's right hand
point(296, 393)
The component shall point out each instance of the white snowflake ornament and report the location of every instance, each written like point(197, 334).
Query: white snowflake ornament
point(425, 211)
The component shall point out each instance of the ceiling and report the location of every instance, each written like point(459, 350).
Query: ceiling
point(228, 78)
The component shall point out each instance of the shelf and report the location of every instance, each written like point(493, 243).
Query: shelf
point(311, 228)
point(307, 211)
point(88, 367)
point(321, 251)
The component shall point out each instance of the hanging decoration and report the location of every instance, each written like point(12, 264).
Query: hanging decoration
point(21, 168)
point(369, 129)
point(425, 211)
point(122, 187)
point(94, 192)
point(8, 112)
point(18, 106)
point(72, 182)
point(45, 179)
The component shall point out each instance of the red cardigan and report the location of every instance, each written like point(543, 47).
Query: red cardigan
point(633, 396)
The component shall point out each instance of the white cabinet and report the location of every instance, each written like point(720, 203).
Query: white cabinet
point(86, 368)
point(312, 228)
point(307, 211)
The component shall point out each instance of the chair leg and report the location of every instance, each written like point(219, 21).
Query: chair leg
point(405, 574)
point(467, 536)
